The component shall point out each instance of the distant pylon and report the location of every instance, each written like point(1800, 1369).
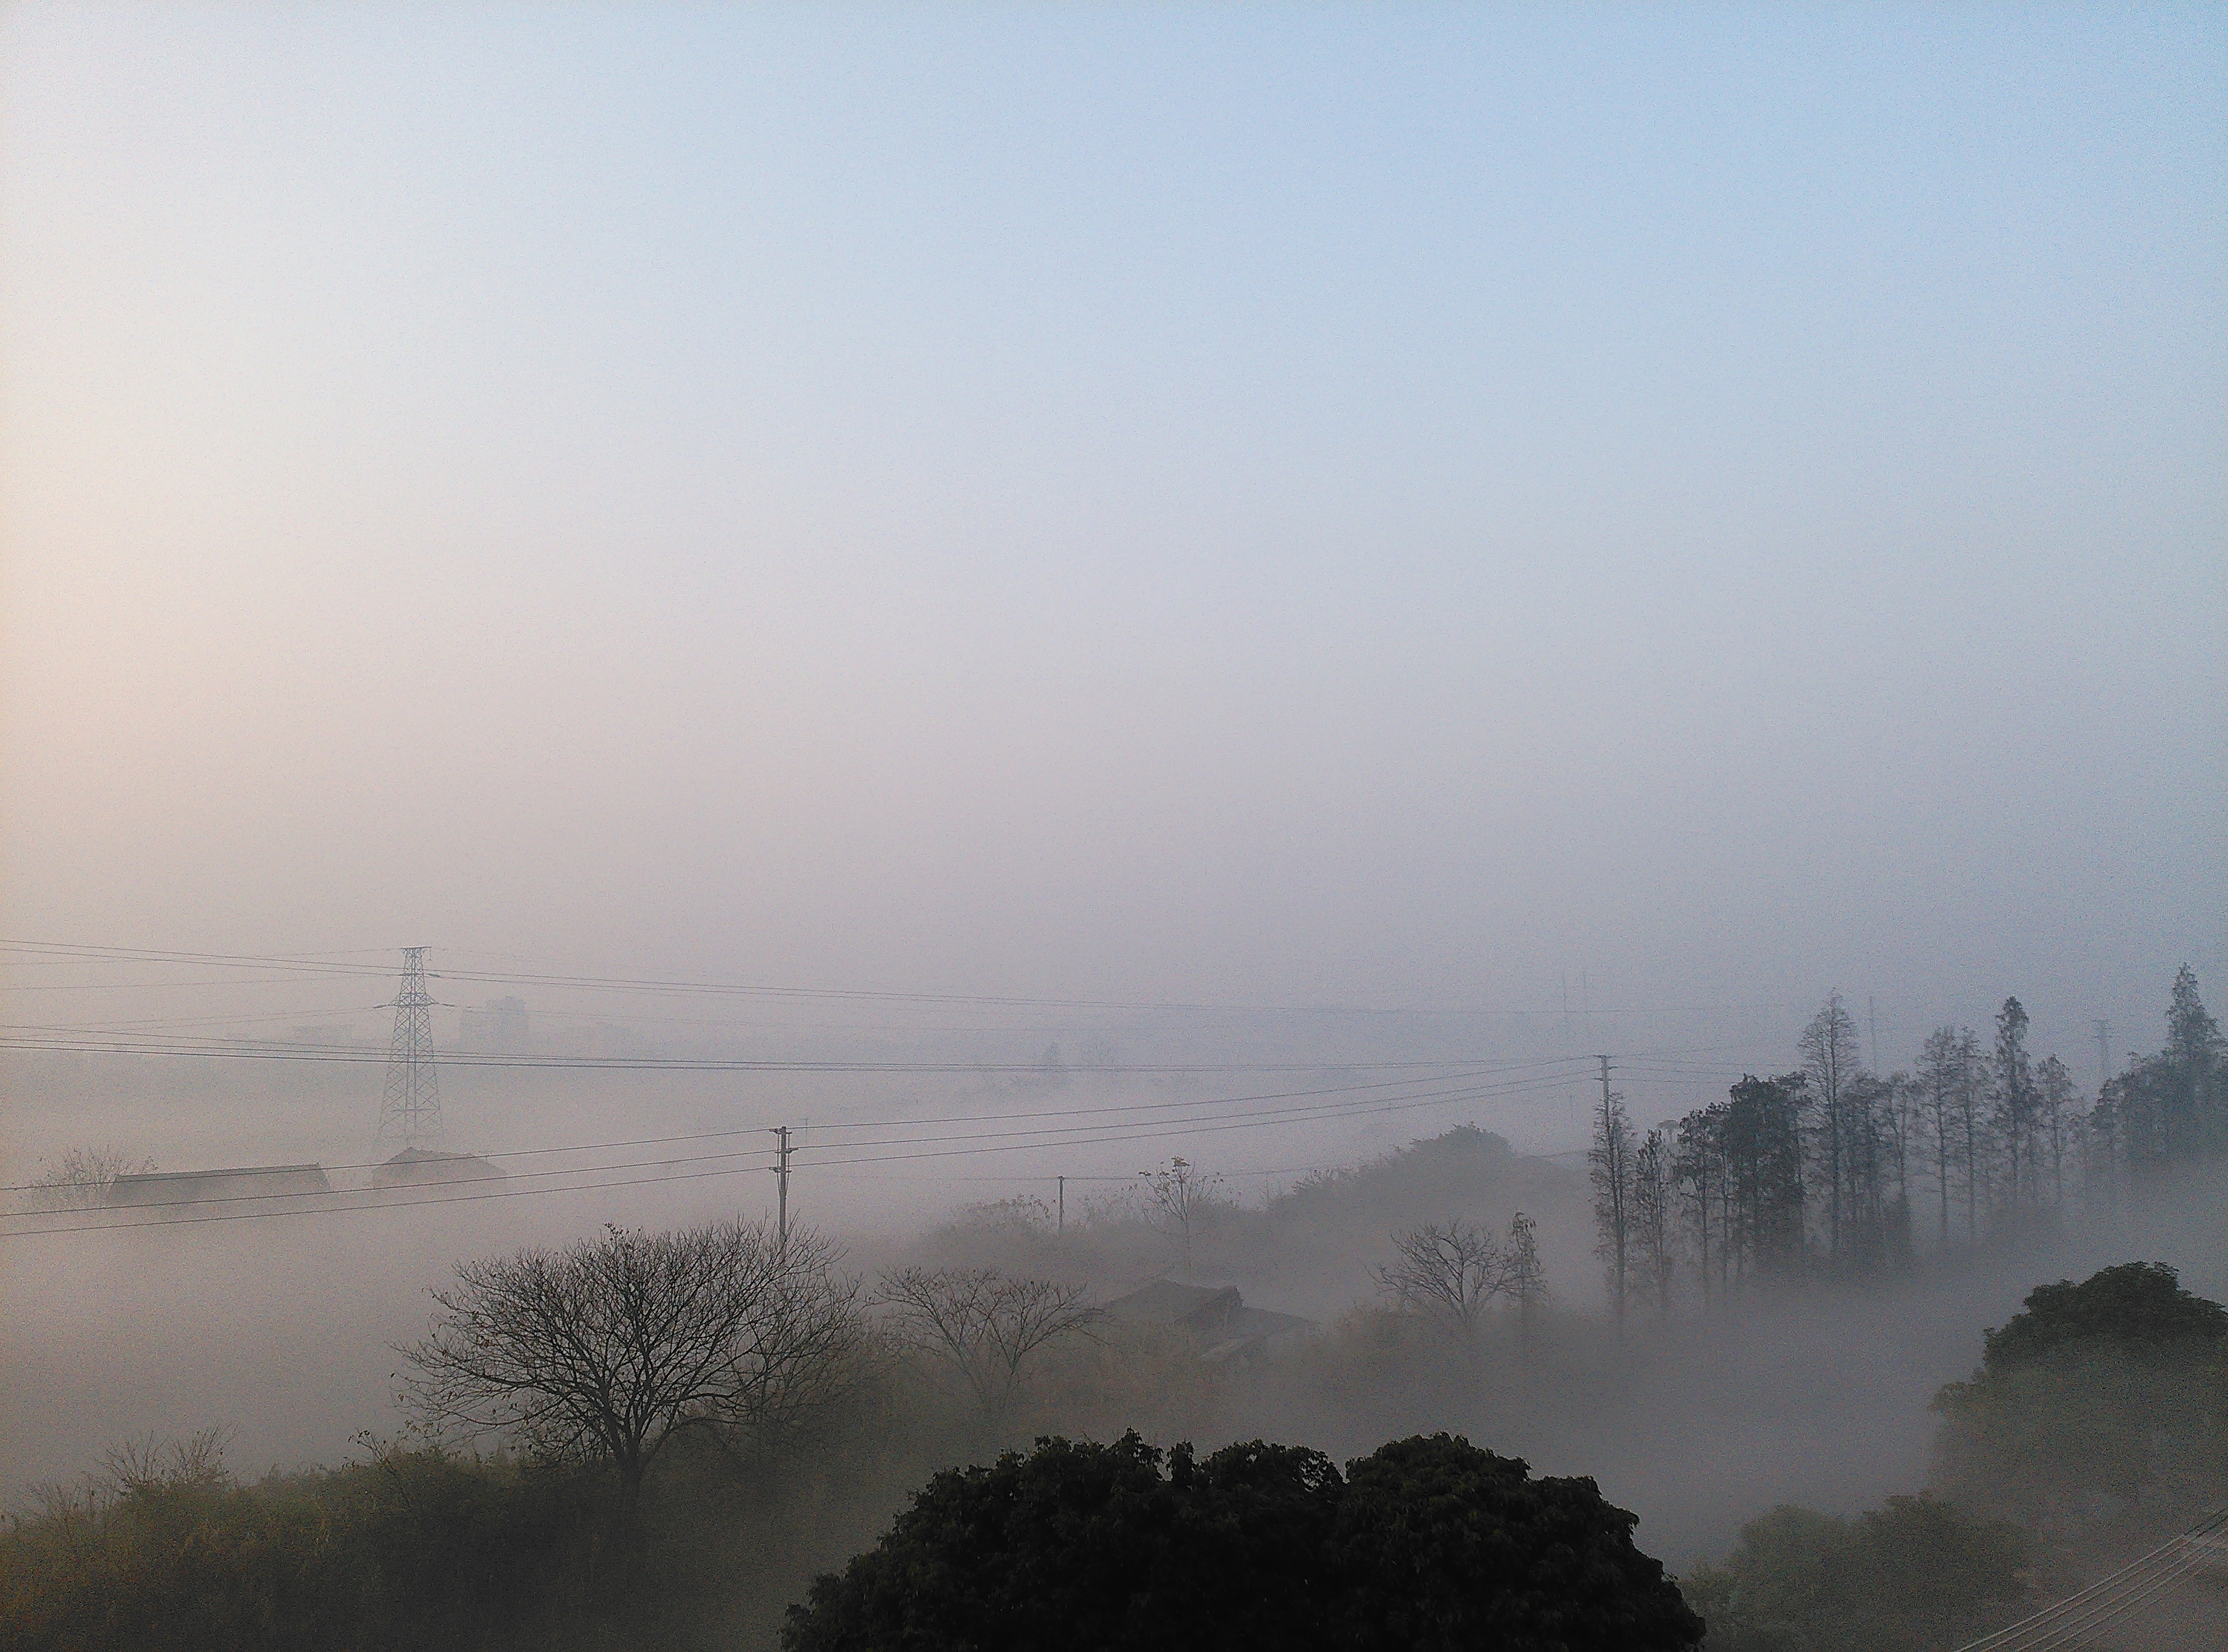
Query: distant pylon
point(411, 1111)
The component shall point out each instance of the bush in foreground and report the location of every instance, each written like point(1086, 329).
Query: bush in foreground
point(1427, 1544)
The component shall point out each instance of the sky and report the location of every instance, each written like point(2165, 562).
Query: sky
point(1393, 506)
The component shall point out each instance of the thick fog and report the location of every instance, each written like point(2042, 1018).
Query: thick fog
point(1028, 592)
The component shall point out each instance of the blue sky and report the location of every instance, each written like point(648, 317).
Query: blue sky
point(1387, 505)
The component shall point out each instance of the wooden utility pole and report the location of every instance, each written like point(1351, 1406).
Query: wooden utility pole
point(1063, 1203)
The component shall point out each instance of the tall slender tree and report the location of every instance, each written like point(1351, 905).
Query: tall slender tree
point(2195, 1117)
point(1895, 1129)
point(1609, 1167)
point(2173, 1105)
point(1973, 1145)
point(1830, 1058)
point(1941, 1079)
point(2055, 1101)
point(1698, 1167)
point(1763, 1173)
point(1524, 1276)
point(2013, 1094)
point(1655, 1208)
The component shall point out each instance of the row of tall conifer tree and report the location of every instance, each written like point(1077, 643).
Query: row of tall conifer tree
point(1832, 1168)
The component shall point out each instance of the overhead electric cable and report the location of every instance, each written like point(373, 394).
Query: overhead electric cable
point(2133, 1586)
point(986, 1143)
point(967, 1119)
point(319, 963)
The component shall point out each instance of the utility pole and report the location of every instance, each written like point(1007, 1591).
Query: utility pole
point(411, 1108)
point(2103, 1055)
point(1871, 1014)
point(781, 1181)
point(1063, 1203)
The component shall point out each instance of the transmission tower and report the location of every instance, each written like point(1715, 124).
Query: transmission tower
point(412, 1107)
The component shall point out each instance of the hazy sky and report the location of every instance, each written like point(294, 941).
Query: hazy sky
point(1387, 506)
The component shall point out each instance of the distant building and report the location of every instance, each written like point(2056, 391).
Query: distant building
point(257, 1181)
point(417, 1167)
point(1213, 1316)
point(499, 1024)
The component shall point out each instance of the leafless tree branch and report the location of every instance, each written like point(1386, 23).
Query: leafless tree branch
point(983, 1326)
point(611, 1347)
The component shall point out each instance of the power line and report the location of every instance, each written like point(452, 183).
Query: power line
point(1001, 1118)
point(1070, 1135)
point(2076, 1618)
point(981, 1142)
point(321, 964)
point(43, 1040)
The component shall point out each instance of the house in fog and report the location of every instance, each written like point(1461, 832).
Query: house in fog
point(261, 1183)
point(1215, 1318)
point(500, 1024)
point(417, 1167)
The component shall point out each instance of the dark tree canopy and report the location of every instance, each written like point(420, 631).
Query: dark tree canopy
point(2137, 1309)
point(1427, 1543)
point(1915, 1575)
point(1440, 1545)
point(2100, 1397)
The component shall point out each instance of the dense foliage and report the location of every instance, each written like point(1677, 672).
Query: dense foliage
point(2138, 1309)
point(1916, 1575)
point(2098, 1397)
point(412, 1548)
point(1428, 1543)
point(419, 1547)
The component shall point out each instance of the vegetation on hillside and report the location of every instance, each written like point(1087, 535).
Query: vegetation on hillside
point(2101, 1399)
point(1914, 1575)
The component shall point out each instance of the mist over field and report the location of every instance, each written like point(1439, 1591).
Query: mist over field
point(1372, 722)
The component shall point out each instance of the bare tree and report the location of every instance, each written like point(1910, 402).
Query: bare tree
point(983, 1327)
point(83, 1178)
point(1446, 1274)
point(611, 1348)
point(1177, 1197)
point(1023, 1213)
point(147, 1463)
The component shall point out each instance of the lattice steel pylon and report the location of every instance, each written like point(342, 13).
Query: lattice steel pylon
point(411, 1110)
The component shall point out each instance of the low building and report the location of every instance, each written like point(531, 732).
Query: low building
point(1214, 1316)
point(417, 1167)
point(267, 1183)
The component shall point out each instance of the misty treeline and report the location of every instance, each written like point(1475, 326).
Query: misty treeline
point(661, 1438)
point(2095, 1425)
point(1835, 1170)
point(643, 1437)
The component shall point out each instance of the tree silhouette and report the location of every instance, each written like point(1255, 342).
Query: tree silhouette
point(1425, 1546)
